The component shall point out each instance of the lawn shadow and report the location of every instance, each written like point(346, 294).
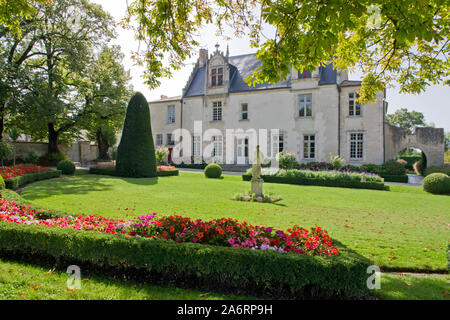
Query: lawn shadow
point(64, 185)
point(140, 181)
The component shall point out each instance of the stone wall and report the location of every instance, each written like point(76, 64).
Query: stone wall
point(81, 151)
point(429, 140)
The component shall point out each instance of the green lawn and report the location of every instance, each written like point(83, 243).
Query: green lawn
point(402, 228)
point(22, 281)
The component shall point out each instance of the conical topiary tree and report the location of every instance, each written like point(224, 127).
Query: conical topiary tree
point(136, 151)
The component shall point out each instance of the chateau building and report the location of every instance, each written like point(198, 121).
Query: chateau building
point(220, 118)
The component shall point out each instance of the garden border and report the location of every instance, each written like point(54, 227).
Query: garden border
point(17, 182)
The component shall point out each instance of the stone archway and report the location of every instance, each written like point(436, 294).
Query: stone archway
point(429, 140)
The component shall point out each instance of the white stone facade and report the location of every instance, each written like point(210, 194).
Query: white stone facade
point(330, 122)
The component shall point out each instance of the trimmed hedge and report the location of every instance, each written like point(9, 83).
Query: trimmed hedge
point(394, 178)
point(16, 182)
point(203, 266)
point(436, 169)
point(136, 152)
point(112, 172)
point(319, 181)
point(410, 160)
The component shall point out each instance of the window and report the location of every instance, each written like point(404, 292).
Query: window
point(304, 74)
point(170, 114)
point(356, 146)
point(170, 141)
point(305, 105)
point(309, 147)
point(216, 77)
point(277, 144)
point(159, 139)
point(244, 111)
point(354, 108)
point(217, 146)
point(217, 111)
point(196, 146)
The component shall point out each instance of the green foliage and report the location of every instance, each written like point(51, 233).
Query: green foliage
point(336, 161)
point(447, 142)
point(394, 178)
point(287, 160)
point(320, 178)
point(168, 173)
point(161, 153)
point(438, 183)
point(213, 170)
point(390, 41)
point(136, 152)
point(6, 149)
point(447, 157)
point(435, 169)
point(32, 157)
point(16, 182)
point(410, 160)
point(406, 119)
point(203, 266)
point(393, 167)
point(66, 167)
point(2, 183)
point(51, 159)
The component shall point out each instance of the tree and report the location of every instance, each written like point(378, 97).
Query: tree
point(136, 152)
point(447, 141)
point(12, 13)
point(406, 119)
point(405, 41)
point(14, 134)
point(106, 88)
point(68, 32)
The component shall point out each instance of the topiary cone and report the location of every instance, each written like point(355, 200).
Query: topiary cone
point(136, 151)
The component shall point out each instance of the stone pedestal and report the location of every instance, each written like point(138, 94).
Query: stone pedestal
point(257, 186)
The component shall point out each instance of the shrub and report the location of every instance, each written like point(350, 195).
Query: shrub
point(16, 182)
point(320, 178)
point(161, 153)
point(287, 160)
point(32, 157)
point(2, 183)
point(213, 170)
point(336, 161)
point(136, 151)
point(6, 149)
point(410, 160)
point(203, 266)
point(435, 169)
point(66, 167)
point(438, 183)
point(393, 167)
point(51, 159)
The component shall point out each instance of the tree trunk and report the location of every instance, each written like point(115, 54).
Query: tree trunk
point(53, 136)
point(103, 146)
point(2, 118)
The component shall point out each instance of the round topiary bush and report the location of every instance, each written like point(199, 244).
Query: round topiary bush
point(213, 170)
point(393, 167)
point(2, 183)
point(66, 166)
point(438, 183)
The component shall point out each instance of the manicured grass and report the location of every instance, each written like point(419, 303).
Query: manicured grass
point(28, 282)
point(420, 287)
point(404, 228)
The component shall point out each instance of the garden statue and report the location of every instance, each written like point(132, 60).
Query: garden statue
point(257, 181)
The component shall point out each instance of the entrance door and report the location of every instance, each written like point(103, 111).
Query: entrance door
point(242, 151)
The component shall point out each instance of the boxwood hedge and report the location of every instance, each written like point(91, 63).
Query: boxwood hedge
point(16, 182)
point(203, 266)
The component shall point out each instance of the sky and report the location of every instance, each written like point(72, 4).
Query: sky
point(434, 103)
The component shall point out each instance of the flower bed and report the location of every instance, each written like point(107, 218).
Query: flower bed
point(20, 169)
point(215, 265)
point(219, 232)
point(110, 170)
point(27, 173)
point(320, 178)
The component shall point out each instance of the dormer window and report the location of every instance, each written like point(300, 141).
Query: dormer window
point(216, 77)
point(305, 74)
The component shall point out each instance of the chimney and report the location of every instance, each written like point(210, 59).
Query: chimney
point(203, 57)
point(163, 97)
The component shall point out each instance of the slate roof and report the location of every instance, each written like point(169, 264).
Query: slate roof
point(240, 68)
